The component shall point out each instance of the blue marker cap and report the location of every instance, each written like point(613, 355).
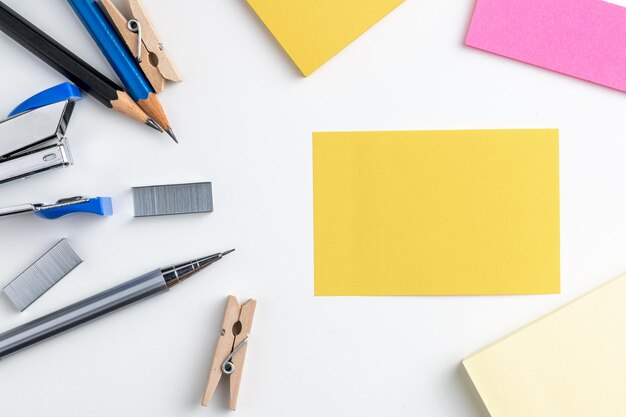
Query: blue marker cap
point(58, 93)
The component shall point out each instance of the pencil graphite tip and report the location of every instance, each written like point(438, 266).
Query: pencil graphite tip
point(226, 253)
point(172, 135)
point(207, 260)
point(153, 125)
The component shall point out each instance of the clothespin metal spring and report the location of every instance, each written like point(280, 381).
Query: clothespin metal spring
point(228, 367)
point(135, 26)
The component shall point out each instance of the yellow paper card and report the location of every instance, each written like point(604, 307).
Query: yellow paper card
point(436, 212)
point(313, 31)
point(571, 363)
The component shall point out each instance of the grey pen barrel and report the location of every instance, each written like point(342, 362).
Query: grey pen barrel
point(82, 312)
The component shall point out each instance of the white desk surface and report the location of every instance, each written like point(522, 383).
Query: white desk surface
point(244, 116)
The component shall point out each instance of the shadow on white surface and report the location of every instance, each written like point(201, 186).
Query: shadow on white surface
point(472, 398)
point(268, 37)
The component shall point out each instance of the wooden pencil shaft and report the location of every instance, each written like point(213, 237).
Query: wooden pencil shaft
point(67, 63)
point(121, 60)
point(152, 107)
point(58, 57)
point(125, 104)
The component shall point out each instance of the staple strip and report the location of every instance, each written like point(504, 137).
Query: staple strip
point(38, 278)
point(162, 200)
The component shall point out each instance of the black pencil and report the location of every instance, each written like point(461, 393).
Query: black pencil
point(71, 66)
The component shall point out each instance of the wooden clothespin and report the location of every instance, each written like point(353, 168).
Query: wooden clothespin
point(141, 38)
point(230, 352)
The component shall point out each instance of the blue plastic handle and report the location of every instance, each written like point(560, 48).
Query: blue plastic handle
point(61, 92)
point(101, 206)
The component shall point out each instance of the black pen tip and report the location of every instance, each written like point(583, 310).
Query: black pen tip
point(227, 252)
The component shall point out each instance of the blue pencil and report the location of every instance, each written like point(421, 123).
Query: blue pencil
point(122, 61)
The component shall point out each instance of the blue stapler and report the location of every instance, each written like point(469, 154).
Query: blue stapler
point(98, 205)
point(32, 138)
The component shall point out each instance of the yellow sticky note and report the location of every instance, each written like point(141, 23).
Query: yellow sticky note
point(313, 31)
point(571, 363)
point(436, 212)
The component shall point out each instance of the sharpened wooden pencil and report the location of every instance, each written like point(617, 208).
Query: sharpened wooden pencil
point(70, 65)
point(152, 106)
point(121, 60)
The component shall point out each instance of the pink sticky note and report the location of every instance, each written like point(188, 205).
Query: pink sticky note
point(582, 38)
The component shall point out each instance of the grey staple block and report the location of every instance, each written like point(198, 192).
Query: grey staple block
point(38, 278)
point(162, 200)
